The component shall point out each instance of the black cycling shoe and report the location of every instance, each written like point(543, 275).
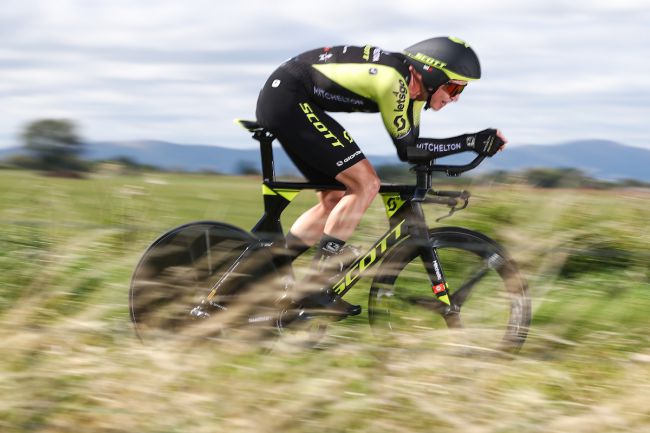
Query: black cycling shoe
point(342, 306)
point(331, 302)
point(326, 299)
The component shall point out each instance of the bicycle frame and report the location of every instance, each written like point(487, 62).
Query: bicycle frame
point(403, 204)
point(168, 286)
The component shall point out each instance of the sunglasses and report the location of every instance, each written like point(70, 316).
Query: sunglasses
point(453, 89)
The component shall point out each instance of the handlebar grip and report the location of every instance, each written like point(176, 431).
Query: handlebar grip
point(453, 194)
point(449, 201)
point(454, 170)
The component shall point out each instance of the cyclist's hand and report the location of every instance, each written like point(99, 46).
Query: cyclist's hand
point(489, 141)
point(503, 138)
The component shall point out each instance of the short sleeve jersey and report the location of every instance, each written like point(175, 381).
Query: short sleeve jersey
point(362, 79)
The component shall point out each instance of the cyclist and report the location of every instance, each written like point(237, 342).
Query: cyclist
point(293, 105)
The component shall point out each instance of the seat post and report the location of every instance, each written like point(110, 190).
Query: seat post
point(266, 152)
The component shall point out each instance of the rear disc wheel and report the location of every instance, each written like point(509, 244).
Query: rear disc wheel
point(180, 269)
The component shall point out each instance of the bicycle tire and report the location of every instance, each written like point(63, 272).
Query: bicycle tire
point(478, 270)
point(182, 266)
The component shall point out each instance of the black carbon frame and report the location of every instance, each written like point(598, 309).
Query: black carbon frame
point(407, 223)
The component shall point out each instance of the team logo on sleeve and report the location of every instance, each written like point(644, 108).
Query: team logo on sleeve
point(400, 96)
point(400, 123)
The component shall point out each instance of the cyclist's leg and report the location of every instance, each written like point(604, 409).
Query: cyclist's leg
point(322, 150)
point(361, 185)
point(310, 225)
point(334, 218)
point(338, 212)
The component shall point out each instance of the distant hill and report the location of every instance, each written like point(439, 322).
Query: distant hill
point(171, 156)
point(598, 158)
point(188, 157)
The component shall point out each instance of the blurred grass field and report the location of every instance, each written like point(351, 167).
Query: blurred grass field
point(69, 360)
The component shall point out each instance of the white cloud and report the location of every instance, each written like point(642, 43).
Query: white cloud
point(180, 71)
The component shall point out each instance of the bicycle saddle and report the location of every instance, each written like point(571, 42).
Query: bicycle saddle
point(251, 125)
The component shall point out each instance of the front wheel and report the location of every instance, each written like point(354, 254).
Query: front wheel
point(489, 299)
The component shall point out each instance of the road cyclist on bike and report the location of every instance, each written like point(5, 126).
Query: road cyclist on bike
point(293, 105)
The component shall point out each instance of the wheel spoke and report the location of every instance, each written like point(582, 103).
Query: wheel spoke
point(427, 302)
point(460, 295)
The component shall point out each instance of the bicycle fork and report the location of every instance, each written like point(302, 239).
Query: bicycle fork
point(447, 308)
point(432, 265)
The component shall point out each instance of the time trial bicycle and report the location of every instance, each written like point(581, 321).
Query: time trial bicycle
point(215, 279)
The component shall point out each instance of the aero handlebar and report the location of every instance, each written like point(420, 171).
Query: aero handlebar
point(455, 170)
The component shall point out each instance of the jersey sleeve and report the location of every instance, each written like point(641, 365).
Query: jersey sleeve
point(399, 113)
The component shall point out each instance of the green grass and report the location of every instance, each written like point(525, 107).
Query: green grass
point(69, 360)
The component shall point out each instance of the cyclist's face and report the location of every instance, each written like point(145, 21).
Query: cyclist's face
point(440, 97)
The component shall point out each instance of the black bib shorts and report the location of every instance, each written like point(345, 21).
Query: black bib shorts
point(316, 143)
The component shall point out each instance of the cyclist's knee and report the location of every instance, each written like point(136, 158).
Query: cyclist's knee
point(371, 187)
point(366, 188)
point(375, 184)
point(361, 180)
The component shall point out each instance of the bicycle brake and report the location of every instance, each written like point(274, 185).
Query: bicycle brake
point(451, 200)
point(451, 212)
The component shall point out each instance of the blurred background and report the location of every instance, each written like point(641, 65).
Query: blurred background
point(117, 125)
point(554, 71)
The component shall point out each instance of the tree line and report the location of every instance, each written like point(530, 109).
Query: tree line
point(54, 146)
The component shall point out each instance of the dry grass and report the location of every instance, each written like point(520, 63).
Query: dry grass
point(69, 360)
point(91, 374)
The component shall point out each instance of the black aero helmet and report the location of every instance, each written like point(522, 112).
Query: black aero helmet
point(442, 59)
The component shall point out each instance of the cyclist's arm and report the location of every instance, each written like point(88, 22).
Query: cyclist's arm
point(401, 118)
point(403, 143)
point(486, 142)
point(397, 113)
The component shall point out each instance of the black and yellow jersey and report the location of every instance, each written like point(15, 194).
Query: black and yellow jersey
point(361, 79)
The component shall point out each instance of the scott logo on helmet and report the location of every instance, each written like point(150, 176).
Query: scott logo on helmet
point(439, 64)
point(320, 126)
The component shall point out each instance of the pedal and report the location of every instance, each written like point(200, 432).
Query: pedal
point(199, 313)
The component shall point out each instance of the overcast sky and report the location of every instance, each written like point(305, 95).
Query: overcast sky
point(180, 71)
